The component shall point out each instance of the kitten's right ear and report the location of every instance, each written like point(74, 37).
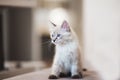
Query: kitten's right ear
point(53, 24)
point(65, 26)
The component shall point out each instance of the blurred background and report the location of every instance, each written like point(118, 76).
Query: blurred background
point(24, 34)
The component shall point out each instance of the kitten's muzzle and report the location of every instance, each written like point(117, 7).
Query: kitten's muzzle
point(54, 40)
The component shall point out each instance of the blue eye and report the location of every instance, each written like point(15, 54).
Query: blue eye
point(58, 35)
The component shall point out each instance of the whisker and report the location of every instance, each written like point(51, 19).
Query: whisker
point(51, 47)
point(48, 45)
point(46, 42)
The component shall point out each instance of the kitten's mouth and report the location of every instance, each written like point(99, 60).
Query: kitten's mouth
point(55, 41)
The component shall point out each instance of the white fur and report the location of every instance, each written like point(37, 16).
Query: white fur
point(67, 55)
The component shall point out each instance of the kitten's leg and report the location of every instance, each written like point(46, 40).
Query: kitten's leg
point(55, 71)
point(63, 73)
point(75, 72)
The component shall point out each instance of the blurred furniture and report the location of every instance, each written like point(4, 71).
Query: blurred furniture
point(4, 5)
point(1, 42)
point(19, 34)
point(43, 75)
point(15, 34)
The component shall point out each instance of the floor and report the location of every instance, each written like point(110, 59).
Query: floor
point(18, 68)
point(43, 75)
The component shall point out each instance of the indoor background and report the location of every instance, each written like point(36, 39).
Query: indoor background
point(24, 34)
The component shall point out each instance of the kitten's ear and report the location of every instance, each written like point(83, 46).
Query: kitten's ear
point(65, 26)
point(53, 24)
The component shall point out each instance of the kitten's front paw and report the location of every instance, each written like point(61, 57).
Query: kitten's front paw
point(77, 77)
point(53, 77)
point(62, 75)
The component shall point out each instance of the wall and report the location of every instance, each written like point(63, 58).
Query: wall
point(102, 36)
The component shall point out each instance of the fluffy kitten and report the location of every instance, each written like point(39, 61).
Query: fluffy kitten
point(67, 56)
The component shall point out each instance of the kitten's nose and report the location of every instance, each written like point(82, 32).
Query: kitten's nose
point(54, 40)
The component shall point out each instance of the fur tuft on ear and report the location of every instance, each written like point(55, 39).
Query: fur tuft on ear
point(53, 23)
point(65, 26)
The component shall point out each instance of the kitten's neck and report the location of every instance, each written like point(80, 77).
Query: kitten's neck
point(73, 42)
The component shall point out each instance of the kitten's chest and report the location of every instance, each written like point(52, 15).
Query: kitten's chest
point(66, 56)
point(66, 52)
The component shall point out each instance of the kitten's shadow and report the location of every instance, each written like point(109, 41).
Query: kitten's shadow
point(88, 75)
point(91, 75)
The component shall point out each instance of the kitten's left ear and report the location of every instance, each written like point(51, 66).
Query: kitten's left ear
point(65, 26)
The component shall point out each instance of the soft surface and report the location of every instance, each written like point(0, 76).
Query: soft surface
point(43, 75)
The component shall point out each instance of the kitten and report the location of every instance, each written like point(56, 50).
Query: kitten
point(67, 58)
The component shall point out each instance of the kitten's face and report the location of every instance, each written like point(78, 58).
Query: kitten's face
point(61, 35)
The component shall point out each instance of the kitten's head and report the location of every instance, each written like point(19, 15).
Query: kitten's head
point(61, 34)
